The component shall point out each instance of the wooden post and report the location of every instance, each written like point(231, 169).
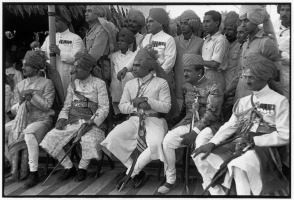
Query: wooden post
point(52, 33)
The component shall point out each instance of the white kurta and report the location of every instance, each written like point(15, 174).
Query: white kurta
point(283, 38)
point(280, 120)
point(121, 141)
point(69, 44)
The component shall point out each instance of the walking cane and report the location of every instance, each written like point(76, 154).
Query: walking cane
point(189, 149)
point(80, 132)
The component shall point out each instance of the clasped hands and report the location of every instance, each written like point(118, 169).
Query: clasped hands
point(25, 95)
point(140, 102)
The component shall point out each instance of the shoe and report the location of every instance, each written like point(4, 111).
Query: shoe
point(166, 188)
point(121, 180)
point(81, 176)
point(32, 181)
point(68, 173)
point(138, 179)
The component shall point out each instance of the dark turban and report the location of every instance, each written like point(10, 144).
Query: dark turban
point(139, 16)
point(192, 59)
point(160, 15)
point(66, 19)
point(85, 61)
point(35, 60)
point(128, 35)
point(263, 69)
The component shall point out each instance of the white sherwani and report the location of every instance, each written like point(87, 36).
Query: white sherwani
point(121, 141)
point(249, 162)
point(69, 44)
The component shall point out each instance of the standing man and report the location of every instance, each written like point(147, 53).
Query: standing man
point(67, 45)
point(251, 16)
point(282, 30)
point(187, 43)
point(136, 21)
point(230, 31)
point(100, 39)
point(215, 47)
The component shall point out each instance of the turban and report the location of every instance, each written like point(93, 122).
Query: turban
point(257, 14)
point(10, 58)
point(160, 15)
point(193, 19)
point(262, 68)
point(147, 59)
point(128, 35)
point(231, 19)
point(85, 61)
point(104, 10)
point(35, 60)
point(139, 16)
point(192, 59)
point(178, 20)
point(66, 19)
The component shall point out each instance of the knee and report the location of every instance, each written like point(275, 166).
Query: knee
point(167, 142)
point(200, 163)
point(30, 139)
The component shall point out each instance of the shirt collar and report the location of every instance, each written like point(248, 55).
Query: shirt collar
point(261, 93)
point(33, 79)
point(159, 33)
point(65, 32)
point(212, 37)
point(146, 78)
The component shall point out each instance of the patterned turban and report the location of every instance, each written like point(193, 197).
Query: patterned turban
point(160, 15)
point(173, 28)
point(192, 59)
point(85, 61)
point(147, 59)
point(101, 9)
point(231, 19)
point(257, 14)
point(193, 19)
point(128, 35)
point(35, 60)
point(139, 16)
point(262, 68)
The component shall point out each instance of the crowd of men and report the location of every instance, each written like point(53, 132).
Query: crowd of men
point(224, 93)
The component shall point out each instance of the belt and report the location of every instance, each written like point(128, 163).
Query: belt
point(218, 70)
point(86, 104)
point(262, 130)
point(147, 114)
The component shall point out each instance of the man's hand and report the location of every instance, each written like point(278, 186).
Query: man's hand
point(54, 48)
point(189, 138)
point(60, 124)
point(25, 92)
point(145, 106)
point(138, 101)
point(122, 73)
point(90, 122)
point(206, 149)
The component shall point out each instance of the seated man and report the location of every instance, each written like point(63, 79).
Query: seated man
point(152, 94)
point(33, 98)
point(262, 122)
point(206, 109)
point(86, 102)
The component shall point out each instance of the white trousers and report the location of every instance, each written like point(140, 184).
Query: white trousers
point(172, 141)
point(143, 159)
point(33, 151)
point(67, 163)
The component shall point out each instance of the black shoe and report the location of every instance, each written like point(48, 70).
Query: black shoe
point(81, 176)
point(121, 180)
point(139, 178)
point(32, 181)
point(68, 173)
